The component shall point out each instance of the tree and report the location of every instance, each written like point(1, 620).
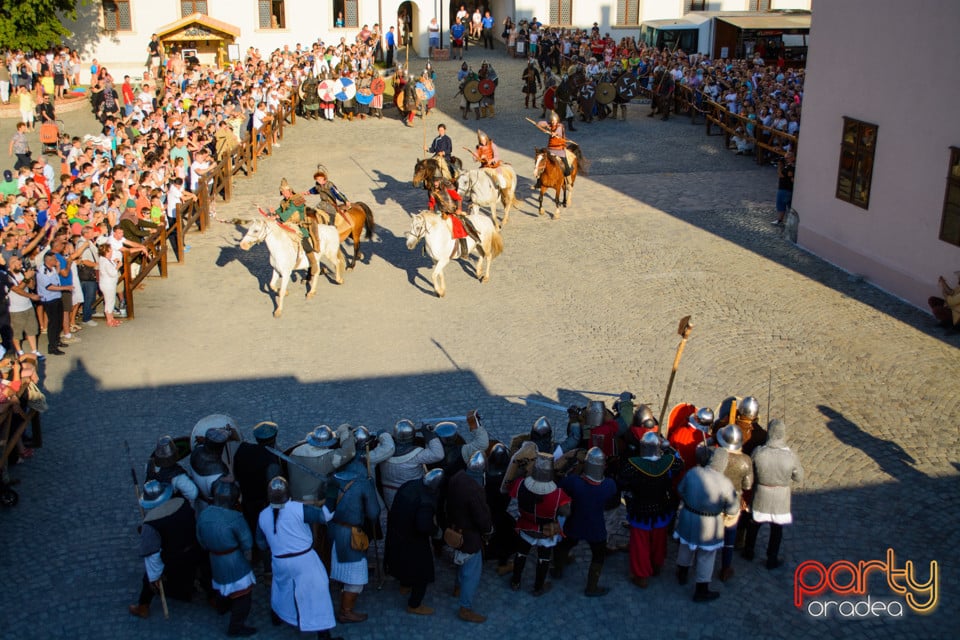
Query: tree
point(34, 24)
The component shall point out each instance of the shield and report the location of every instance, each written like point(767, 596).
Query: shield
point(327, 90)
point(521, 464)
point(587, 92)
point(606, 92)
point(679, 415)
point(721, 416)
point(548, 97)
point(471, 91)
point(346, 89)
point(377, 86)
point(421, 93)
point(364, 97)
point(570, 463)
point(428, 88)
point(486, 87)
point(627, 87)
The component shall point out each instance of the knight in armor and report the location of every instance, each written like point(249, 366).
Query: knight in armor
point(300, 590)
point(465, 76)
point(557, 145)
point(356, 505)
point(445, 197)
point(468, 513)
point(488, 155)
point(324, 451)
point(541, 435)
point(347, 106)
point(411, 525)
point(549, 80)
point(564, 98)
point(777, 467)
point(503, 543)
point(591, 494)
point(253, 467)
point(664, 86)
point(690, 439)
point(485, 107)
point(647, 481)
point(541, 504)
point(442, 150)
point(409, 459)
point(164, 467)
point(292, 212)
point(364, 82)
point(309, 97)
point(643, 422)
point(748, 411)
point(206, 463)
point(168, 546)
point(222, 531)
point(531, 84)
point(332, 199)
point(707, 496)
point(410, 100)
point(740, 472)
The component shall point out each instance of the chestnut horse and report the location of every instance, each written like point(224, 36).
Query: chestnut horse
point(360, 217)
point(549, 170)
point(425, 169)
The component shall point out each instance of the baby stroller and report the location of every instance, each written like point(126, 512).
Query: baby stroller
point(50, 136)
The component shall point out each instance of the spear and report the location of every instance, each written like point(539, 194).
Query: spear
point(684, 331)
point(136, 490)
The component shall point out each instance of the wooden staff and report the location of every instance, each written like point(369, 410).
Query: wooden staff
point(470, 151)
point(537, 125)
point(684, 331)
point(136, 489)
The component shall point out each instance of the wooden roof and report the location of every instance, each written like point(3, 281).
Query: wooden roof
point(197, 27)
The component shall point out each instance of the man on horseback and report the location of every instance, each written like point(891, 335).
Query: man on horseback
point(331, 199)
point(442, 150)
point(488, 156)
point(444, 196)
point(557, 145)
point(292, 212)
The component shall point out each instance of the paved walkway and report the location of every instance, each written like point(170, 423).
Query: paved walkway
point(666, 224)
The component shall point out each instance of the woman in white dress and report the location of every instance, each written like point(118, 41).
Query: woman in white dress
point(109, 275)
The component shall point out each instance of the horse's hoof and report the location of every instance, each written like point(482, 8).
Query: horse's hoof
point(310, 294)
point(339, 281)
point(276, 314)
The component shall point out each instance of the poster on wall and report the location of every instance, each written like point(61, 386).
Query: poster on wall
point(233, 52)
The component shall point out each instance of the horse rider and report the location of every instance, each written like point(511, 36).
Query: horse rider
point(332, 200)
point(488, 155)
point(442, 149)
point(292, 212)
point(557, 144)
point(444, 195)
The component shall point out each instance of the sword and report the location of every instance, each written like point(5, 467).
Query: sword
point(299, 465)
point(446, 419)
point(548, 405)
point(595, 393)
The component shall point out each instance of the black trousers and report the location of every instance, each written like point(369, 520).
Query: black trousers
point(54, 311)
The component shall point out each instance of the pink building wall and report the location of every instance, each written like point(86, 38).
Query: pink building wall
point(893, 64)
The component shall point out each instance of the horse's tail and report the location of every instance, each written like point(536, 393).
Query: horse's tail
point(583, 165)
point(496, 244)
point(368, 224)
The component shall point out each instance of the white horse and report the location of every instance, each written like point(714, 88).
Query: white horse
point(287, 254)
point(483, 190)
point(437, 236)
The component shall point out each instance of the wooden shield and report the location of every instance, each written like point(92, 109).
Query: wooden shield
point(327, 90)
point(570, 463)
point(587, 98)
point(627, 87)
point(521, 464)
point(679, 415)
point(548, 97)
point(606, 92)
point(471, 91)
point(486, 87)
point(377, 86)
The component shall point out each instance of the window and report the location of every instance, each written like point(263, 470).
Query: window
point(190, 7)
point(697, 5)
point(759, 5)
point(116, 15)
point(346, 13)
point(628, 12)
point(950, 223)
point(271, 13)
point(560, 12)
point(856, 162)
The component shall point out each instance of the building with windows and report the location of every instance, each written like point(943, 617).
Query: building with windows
point(878, 165)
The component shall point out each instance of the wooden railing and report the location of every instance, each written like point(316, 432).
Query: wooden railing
point(156, 244)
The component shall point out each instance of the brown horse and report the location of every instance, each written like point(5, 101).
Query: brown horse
point(548, 169)
point(425, 169)
point(360, 217)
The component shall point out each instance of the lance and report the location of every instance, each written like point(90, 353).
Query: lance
point(548, 405)
point(136, 490)
point(547, 131)
point(684, 331)
point(595, 393)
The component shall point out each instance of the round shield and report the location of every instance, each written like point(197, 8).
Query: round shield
point(209, 422)
point(428, 88)
point(627, 87)
point(345, 89)
point(471, 91)
point(327, 90)
point(364, 97)
point(587, 92)
point(377, 86)
point(606, 93)
point(398, 100)
point(486, 87)
point(421, 93)
point(548, 97)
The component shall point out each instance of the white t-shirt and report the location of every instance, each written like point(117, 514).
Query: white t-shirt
point(18, 302)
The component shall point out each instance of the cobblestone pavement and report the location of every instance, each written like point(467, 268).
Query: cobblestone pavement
point(666, 224)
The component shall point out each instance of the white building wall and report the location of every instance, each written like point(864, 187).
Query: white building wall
point(851, 72)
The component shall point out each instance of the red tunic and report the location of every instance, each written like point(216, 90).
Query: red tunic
point(685, 439)
point(458, 229)
point(532, 520)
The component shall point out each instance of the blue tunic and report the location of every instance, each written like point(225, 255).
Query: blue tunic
point(586, 520)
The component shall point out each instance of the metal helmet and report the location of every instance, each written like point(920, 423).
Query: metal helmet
point(477, 462)
point(323, 437)
point(404, 431)
point(643, 415)
point(730, 438)
point(225, 492)
point(165, 454)
point(363, 438)
point(553, 118)
point(278, 491)
point(446, 431)
point(216, 438)
point(594, 413)
point(155, 493)
point(748, 408)
point(595, 464)
point(543, 468)
point(702, 419)
point(498, 459)
point(541, 428)
point(650, 445)
point(482, 137)
point(433, 479)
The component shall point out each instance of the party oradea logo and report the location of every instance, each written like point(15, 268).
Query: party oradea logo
point(857, 590)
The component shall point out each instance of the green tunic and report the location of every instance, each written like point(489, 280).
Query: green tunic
point(291, 213)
